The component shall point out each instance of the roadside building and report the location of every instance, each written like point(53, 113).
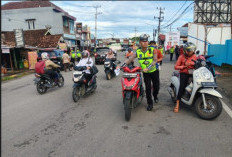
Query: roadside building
point(37, 15)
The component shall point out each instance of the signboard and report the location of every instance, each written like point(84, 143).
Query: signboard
point(172, 39)
point(19, 37)
point(32, 59)
point(79, 27)
point(5, 50)
point(63, 46)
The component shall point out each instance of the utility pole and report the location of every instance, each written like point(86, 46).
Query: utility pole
point(135, 34)
point(160, 18)
point(95, 37)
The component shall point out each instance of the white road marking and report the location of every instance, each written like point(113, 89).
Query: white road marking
point(227, 109)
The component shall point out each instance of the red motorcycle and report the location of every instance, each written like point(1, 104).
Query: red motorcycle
point(132, 89)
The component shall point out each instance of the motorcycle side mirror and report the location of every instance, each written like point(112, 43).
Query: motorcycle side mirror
point(197, 52)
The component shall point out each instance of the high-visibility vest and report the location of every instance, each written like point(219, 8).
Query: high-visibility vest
point(73, 54)
point(172, 50)
point(145, 59)
point(162, 50)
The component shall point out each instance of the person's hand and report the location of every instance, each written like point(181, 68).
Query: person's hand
point(88, 68)
point(145, 70)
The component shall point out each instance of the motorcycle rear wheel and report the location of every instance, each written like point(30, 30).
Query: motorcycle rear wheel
point(41, 88)
point(214, 107)
point(61, 81)
point(76, 94)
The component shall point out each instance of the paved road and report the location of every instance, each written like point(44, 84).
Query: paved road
point(52, 125)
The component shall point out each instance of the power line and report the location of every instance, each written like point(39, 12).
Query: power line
point(179, 16)
point(175, 13)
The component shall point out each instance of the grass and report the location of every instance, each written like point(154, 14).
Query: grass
point(6, 78)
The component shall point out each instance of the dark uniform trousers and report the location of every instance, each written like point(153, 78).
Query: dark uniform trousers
point(154, 78)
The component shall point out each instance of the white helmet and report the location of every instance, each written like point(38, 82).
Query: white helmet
point(44, 55)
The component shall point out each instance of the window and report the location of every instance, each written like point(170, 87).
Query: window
point(71, 25)
point(31, 23)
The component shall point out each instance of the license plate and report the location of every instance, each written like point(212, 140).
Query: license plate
point(208, 84)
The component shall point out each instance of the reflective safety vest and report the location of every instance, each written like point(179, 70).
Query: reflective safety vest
point(73, 54)
point(162, 50)
point(172, 50)
point(145, 59)
point(78, 54)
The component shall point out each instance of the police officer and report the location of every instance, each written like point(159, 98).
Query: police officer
point(147, 58)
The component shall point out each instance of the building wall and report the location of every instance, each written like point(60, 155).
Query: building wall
point(15, 19)
point(216, 35)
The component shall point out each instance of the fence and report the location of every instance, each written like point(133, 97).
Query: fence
point(222, 53)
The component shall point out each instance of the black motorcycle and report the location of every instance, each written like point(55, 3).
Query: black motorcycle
point(44, 81)
point(82, 86)
point(110, 65)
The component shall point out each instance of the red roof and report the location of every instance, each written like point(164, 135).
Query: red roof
point(33, 4)
point(36, 38)
point(185, 25)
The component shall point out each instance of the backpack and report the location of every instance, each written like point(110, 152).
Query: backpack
point(39, 67)
point(94, 69)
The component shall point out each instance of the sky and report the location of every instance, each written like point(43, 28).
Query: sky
point(121, 18)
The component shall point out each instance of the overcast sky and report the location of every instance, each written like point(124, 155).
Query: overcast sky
point(122, 17)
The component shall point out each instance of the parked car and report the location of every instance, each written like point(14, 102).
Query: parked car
point(54, 55)
point(100, 54)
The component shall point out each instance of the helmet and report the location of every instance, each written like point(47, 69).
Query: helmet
point(130, 49)
point(44, 55)
point(85, 54)
point(189, 47)
point(144, 37)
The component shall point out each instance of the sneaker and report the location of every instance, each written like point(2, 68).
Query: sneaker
point(149, 107)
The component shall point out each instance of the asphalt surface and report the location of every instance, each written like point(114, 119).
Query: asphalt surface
point(52, 125)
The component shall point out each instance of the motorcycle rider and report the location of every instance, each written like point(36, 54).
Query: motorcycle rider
point(147, 58)
point(49, 65)
point(88, 62)
point(185, 65)
point(129, 54)
point(111, 56)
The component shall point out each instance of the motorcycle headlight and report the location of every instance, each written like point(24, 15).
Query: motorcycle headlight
point(205, 73)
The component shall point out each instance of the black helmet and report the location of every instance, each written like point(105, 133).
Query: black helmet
point(189, 46)
point(144, 37)
point(84, 54)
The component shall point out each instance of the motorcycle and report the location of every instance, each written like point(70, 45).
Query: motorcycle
point(81, 87)
point(132, 89)
point(209, 64)
point(44, 81)
point(200, 93)
point(110, 66)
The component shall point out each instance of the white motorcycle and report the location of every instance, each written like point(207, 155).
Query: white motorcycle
point(201, 92)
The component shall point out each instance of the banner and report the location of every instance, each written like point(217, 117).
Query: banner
point(63, 46)
point(172, 39)
point(5, 50)
point(32, 59)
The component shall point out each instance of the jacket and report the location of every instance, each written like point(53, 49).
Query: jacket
point(183, 61)
point(50, 64)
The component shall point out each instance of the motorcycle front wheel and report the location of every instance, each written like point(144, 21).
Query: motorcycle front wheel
point(76, 94)
point(127, 107)
point(213, 109)
point(41, 88)
point(61, 81)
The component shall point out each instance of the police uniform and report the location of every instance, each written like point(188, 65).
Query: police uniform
point(145, 60)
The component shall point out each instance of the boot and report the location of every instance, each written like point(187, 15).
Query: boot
point(176, 108)
point(149, 107)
